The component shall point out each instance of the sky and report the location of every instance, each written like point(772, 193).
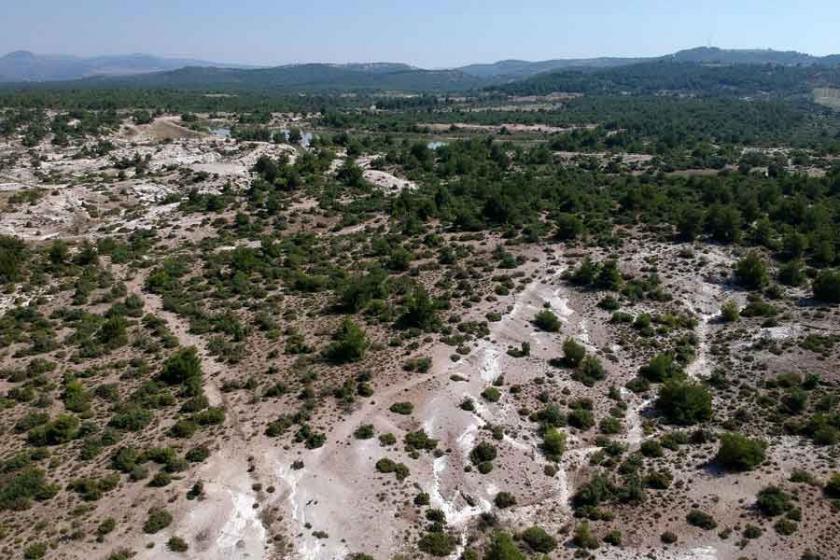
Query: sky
point(427, 33)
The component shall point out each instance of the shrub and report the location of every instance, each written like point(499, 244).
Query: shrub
point(402, 407)
point(419, 440)
point(484, 452)
point(554, 443)
point(651, 448)
point(63, 429)
point(740, 453)
point(546, 320)
point(581, 419)
point(729, 311)
point(197, 454)
point(437, 544)
point(91, 489)
point(752, 532)
point(502, 547)
point(832, 487)
point(183, 429)
point(826, 286)
point(539, 541)
point(349, 345)
point(772, 501)
point(583, 537)
point(491, 394)
point(568, 226)
point(613, 537)
point(701, 519)
point(177, 544)
point(684, 402)
point(35, 551)
point(668, 537)
point(157, 520)
point(504, 500)
point(573, 352)
point(365, 431)
point(785, 526)
point(751, 271)
point(791, 273)
point(420, 311)
point(184, 368)
point(589, 371)
point(106, 526)
point(661, 367)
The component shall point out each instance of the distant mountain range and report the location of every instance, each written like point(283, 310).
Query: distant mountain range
point(151, 71)
point(24, 66)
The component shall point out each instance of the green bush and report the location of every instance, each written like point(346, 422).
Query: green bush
point(581, 419)
point(184, 368)
point(502, 547)
point(729, 311)
point(504, 500)
point(35, 551)
point(590, 371)
point(437, 544)
point(583, 537)
point(365, 431)
point(538, 539)
point(751, 271)
point(420, 311)
point(177, 544)
point(349, 345)
point(19, 487)
point(684, 402)
point(157, 520)
point(106, 526)
point(484, 452)
point(772, 501)
point(554, 443)
point(826, 286)
point(546, 320)
point(573, 352)
point(402, 407)
point(701, 519)
point(660, 368)
point(740, 453)
point(63, 429)
point(832, 487)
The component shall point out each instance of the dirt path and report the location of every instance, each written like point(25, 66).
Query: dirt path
point(225, 524)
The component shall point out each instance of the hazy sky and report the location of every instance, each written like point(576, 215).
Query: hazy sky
point(430, 33)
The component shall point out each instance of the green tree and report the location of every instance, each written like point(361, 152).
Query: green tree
point(684, 402)
point(546, 320)
point(740, 453)
point(568, 227)
point(420, 311)
point(554, 443)
point(573, 352)
point(661, 367)
point(826, 286)
point(13, 255)
point(184, 368)
point(349, 345)
point(538, 539)
point(751, 271)
point(502, 547)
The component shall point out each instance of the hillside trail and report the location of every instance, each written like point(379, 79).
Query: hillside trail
point(225, 522)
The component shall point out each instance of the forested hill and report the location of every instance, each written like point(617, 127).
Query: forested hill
point(303, 77)
point(667, 76)
point(703, 71)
